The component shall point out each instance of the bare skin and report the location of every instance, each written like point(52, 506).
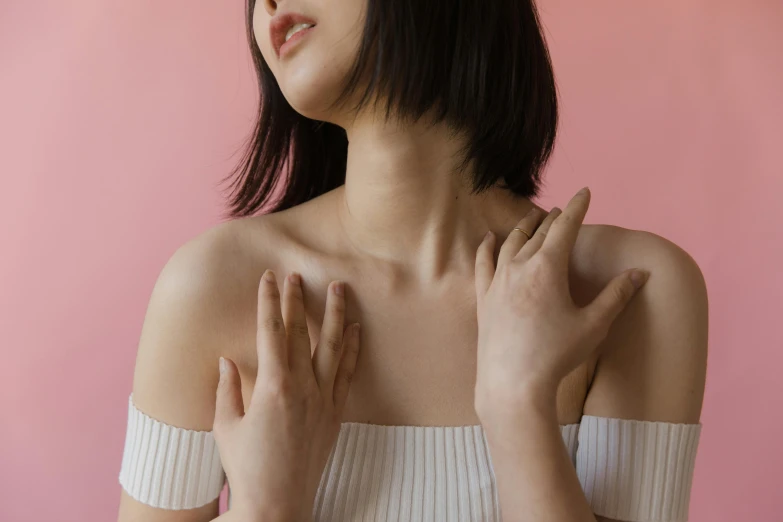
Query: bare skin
point(417, 361)
point(412, 370)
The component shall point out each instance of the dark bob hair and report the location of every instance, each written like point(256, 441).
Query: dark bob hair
point(482, 68)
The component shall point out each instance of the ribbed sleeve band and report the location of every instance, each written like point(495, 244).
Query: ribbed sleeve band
point(169, 467)
point(639, 471)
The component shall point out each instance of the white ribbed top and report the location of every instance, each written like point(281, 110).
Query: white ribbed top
point(169, 467)
point(629, 470)
point(637, 470)
point(412, 473)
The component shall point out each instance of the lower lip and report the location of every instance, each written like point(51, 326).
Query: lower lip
point(291, 43)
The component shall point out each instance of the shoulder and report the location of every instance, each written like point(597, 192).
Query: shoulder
point(208, 286)
point(676, 290)
point(216, 273)
point(218, 260)
point(652, 364)
point(615, 248)
point(602, 252)
point(202, 305)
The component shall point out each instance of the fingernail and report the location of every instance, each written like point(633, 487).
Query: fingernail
point(338, 288)
point(638, 277)
point(222, 367)
point(488, 235)
point(356, 329)
point(269, 276)
point(294, 278)
point(531, 212)
point(584, 190)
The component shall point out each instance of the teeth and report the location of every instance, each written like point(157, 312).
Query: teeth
point(296, 28)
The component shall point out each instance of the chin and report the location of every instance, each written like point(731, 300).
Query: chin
point(308, 103)
point(311, 98)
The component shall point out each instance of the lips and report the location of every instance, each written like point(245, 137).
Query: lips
point(280, 25)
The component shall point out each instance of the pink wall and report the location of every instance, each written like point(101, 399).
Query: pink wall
point(117, 119)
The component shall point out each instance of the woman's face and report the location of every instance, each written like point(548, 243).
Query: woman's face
point(311, 72)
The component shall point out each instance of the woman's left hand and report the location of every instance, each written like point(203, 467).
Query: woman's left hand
point(531, 334)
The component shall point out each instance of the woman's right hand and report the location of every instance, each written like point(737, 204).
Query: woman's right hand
point(274, 454)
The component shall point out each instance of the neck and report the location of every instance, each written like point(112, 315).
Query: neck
point(404, 203)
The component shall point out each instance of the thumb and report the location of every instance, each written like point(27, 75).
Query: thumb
point(228, 403)
point(616, 295)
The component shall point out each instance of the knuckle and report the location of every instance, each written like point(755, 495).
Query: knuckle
point(563, 220)
point(540, 232)
point(544, 259)
point(352, 352)
point(540, 265)
point(274, 324)
point(334, 345)
point(298, 329)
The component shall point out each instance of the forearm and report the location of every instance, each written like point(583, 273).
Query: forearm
point(536, 479)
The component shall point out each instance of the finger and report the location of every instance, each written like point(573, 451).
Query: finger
point(564, 230)
point(613, 299)
point(345, 372)
point(270, 334)
point(533, 245)
point(485, 266)
point(299, 357)
point(328, 351)
point(228, 400)
point(516, 239)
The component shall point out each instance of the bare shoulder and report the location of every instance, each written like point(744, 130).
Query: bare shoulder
point(202, 298)
point(676, 283)
point(609, 249)
point(196, 312)
point(652, 364)
point(216, 263)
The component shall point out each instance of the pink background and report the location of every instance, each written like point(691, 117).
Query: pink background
point(117, 119)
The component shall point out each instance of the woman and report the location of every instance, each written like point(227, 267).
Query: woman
point(410, 129)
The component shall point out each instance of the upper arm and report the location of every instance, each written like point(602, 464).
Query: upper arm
point(176, 375)
point(652, 365)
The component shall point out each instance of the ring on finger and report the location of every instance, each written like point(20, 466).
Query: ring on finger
point(523, 231)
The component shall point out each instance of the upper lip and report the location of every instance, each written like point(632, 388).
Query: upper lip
point(280, 25)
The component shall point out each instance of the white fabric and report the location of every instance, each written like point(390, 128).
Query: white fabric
point(632, 470)
point(168, 467)
point(637, 470)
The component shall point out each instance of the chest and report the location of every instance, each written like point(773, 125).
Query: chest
point(417, 362)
